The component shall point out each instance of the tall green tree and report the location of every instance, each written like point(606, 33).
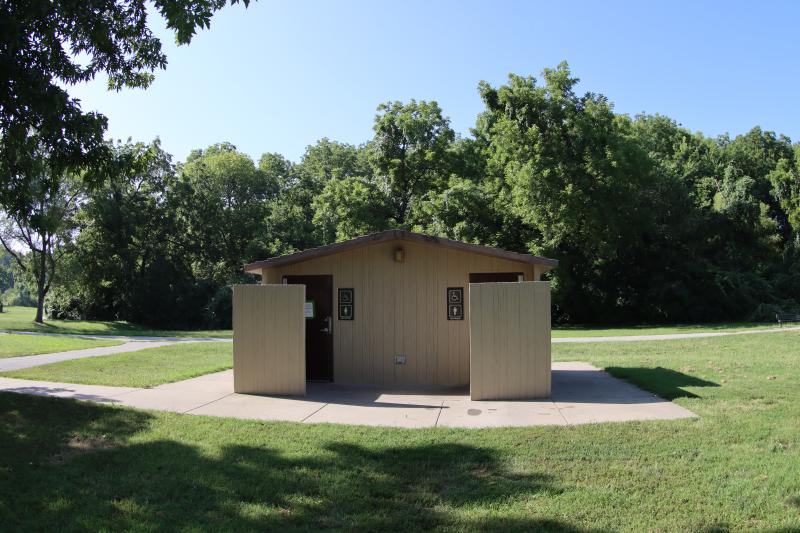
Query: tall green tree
point(312, 192)
point(410, 155)
point(129, 261)
point(572, 175)
point(40, 223)
point(755, 155)
point(785, 180)
point(45, 47)
point(349, 207)
point(224, 201)
point(6, 271)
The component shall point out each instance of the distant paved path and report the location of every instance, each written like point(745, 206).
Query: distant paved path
point(27, 361)
point(555, 340)
point(127, 338)
point(670, 336)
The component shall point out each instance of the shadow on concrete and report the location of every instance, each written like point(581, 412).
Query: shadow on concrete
point(594, 386)
point(314, 479)
point(371, 396)
point(664, 382)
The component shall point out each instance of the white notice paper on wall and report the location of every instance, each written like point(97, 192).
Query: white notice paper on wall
point(308, 309)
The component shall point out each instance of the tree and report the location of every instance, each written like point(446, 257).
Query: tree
point(569, 171)
point(6, 271)
point(224, 200)
point(292, 218)
point(410, 154)
point(42, 222)
point(129, 261)
point(785, 180)
point(348, 208)
point(754, 155)
point(46, 46)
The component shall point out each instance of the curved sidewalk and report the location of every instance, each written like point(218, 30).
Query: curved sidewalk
point(582, 394)
point(127, 338)
point(26, 361)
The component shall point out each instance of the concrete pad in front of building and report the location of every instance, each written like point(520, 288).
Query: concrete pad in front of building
point(372, 408)
point(581, 394)
point(218, 382)
point(183, 396)
point(592, 413)
point(486, 414)
point(169, 399)
point(585, 394)
point(253, 407)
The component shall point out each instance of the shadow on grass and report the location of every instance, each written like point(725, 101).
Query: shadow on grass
point(319, 482)
point(664, 382)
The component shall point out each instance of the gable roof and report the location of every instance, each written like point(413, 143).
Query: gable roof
point(397, 235)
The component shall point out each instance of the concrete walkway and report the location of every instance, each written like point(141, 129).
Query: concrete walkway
point(581, 394)
point(127, 338)
point(670, 336)
point(555, 340)
point(26, 361)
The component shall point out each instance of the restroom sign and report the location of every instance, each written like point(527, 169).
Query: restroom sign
point(455, 303)
point(346, 303)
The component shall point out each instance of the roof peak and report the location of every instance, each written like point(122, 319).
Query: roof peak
point(391, 235)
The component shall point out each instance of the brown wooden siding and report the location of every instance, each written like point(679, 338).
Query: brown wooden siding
point(510, 341)
point(400, 309)
point(269, 343)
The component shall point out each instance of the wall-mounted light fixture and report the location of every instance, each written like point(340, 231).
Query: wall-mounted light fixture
point(399, 255)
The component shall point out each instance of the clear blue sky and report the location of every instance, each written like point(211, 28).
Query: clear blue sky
point(281, 74)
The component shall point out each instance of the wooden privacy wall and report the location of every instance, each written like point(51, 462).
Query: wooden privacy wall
point(400, 309)
point(269, 343)
point(509, 340)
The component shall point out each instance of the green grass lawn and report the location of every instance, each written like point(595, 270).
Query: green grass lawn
point(21, 319)
point(15, 345)
point(736, 467)
point(145, 368)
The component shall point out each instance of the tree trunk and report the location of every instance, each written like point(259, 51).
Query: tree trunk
point(40, 308)
point(41, 279)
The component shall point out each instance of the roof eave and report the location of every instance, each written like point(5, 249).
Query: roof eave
point(391, 235)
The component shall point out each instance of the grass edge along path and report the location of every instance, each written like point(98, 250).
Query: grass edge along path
point(12, 345)
point(142, 368)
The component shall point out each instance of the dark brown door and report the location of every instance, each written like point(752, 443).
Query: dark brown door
point(494, 277)
point(319, 326)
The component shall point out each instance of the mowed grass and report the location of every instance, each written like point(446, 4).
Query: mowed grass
point(15, 345)
point(144, 368)
point(21, 319)
point(737, 467)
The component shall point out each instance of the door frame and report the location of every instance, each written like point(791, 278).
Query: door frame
point(327, 362)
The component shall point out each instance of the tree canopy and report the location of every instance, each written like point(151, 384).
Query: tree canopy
point(47, 46)
point(650, 222)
